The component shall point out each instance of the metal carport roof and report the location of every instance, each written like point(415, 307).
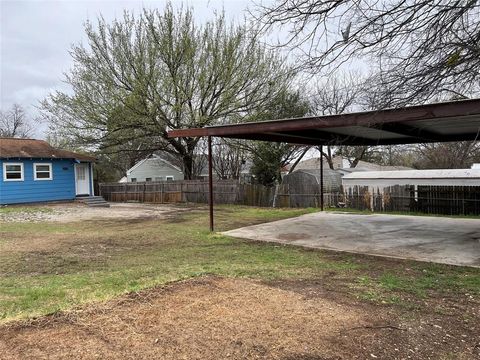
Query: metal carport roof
point(439, 122)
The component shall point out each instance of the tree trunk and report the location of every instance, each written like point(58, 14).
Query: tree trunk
point(187, 160)
point(329, 157)
point(359, 156)
point(298, 160)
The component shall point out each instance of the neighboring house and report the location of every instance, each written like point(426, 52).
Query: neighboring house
point(363, 166)
point(153, 168)
point(33, 171)
point(341, 164)
point(158, 168)
point(442, 177)
point(314, 163)
point(411, 187)
point(368, 166)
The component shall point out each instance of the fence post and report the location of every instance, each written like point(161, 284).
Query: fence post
point(320, 149)
point(274, 202)
point(210, 182)
point(289, 196)
point(125, 192)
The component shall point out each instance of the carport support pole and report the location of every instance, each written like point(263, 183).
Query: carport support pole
point(320, 148)
point(210, 182)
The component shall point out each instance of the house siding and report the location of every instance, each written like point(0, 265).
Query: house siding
point(440, 177)
point(153, 168)
point(61, 187)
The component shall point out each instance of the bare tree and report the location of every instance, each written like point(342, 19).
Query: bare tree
point(339, 94)
point(421, 48)
point(269, 158)
point(354, 154)
point(14, 123)
point(229, 158)
point(456, 155)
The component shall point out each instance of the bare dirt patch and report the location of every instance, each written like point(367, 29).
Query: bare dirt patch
point(218, 318)
point(71, 212)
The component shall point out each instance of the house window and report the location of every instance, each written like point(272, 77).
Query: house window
point(158, 178)
point(42, 171)
point(81, 173)
point(134, 179)
point(169, 178)
point(13, 171)
point(148, 179)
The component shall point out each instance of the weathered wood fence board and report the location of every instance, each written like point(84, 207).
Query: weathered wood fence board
point(225, 192)
point(450, 200)
point(446, 200)
point(357, 197)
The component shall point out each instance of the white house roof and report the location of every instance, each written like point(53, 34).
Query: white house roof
point(368, 166)
point(153, 157)
point(417, 174)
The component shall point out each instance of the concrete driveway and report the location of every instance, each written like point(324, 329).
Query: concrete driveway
point(435, 239)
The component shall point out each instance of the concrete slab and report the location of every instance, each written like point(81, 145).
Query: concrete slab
point(436, 239)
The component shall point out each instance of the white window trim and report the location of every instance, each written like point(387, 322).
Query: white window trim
point(35, 171)
point(5, 171)
point(169, 177)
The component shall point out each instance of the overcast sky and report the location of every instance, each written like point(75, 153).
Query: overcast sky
point(36, 36)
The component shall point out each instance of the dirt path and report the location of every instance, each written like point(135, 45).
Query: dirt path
point(70, 212)
point(217, 318)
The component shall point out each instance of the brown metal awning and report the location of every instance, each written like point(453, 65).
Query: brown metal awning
point(440, 122)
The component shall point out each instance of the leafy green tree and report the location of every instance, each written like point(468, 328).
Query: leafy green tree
point(267, 161)
point(139, 77)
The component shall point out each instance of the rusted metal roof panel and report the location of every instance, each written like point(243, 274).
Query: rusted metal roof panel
point(440, 122)
point(36, 149)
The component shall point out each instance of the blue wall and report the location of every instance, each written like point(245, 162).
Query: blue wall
point(61, 187)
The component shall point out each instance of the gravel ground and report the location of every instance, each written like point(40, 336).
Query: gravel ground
point(78, 212)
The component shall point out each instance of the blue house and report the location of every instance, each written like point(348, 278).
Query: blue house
point(33, 171)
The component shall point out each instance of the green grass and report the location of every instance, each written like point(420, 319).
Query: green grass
point(47, 267)
point(419, 283)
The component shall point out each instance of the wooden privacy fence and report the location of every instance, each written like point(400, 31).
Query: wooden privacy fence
point(447, 200)
point(224, 192)
point(167, 192)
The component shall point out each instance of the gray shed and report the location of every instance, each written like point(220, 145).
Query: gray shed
point(304, 186)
